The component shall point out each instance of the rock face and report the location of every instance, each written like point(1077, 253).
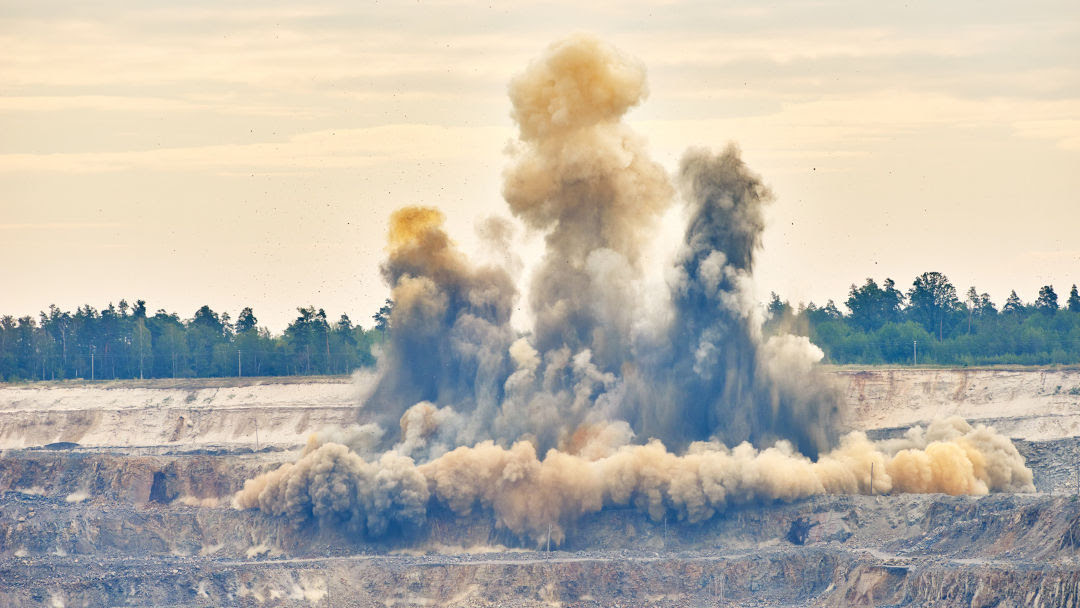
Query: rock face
point(135, 510)
point(201, 413)
point(1032, 404)
point(230, 412)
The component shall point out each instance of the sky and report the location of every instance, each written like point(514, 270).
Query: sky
point(249, 154)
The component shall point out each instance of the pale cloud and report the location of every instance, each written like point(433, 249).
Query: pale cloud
point(98, 53)
point(846, 125)
point(304, 153)
point(785, 46)
point(59, 225)
point(1065, 132)
point(220, 104)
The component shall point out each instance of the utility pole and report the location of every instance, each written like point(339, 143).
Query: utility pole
point(91, 362)
point(239, 365)
point(549, 539)
point(915, 352)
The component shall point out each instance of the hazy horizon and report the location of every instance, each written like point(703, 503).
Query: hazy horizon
point(233, 156)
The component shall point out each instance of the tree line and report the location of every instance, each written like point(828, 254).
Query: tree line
point(124, 341)
point(930, 324)
point(927, 324)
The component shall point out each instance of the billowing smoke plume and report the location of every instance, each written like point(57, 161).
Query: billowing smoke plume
point(714, 376)
point(450, 325)
point(583, 177)
point(627, 407)
point(333, 484)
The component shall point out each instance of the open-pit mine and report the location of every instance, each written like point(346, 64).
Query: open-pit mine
point(117, 494)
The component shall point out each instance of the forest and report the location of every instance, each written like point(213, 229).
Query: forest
point(927, 324)
point(124, 341)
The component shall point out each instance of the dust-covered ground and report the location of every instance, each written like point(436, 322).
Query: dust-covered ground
point(120, 494)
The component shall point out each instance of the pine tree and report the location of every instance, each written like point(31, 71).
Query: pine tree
point(1013, 305)
point(1047, 301)
point(246, 321)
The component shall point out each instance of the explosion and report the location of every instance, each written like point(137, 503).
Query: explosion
point(477, 403)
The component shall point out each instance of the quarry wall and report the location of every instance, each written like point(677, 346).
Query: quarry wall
point(1023, 403)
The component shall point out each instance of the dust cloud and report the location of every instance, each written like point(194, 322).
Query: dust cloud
point(604, 401)
point(534, 497)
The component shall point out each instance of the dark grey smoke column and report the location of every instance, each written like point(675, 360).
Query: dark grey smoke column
point(720, 373)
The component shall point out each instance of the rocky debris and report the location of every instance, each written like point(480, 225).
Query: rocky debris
point(779, 576)
point(114, 475)
point(855, 550)
point(1055, 463)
